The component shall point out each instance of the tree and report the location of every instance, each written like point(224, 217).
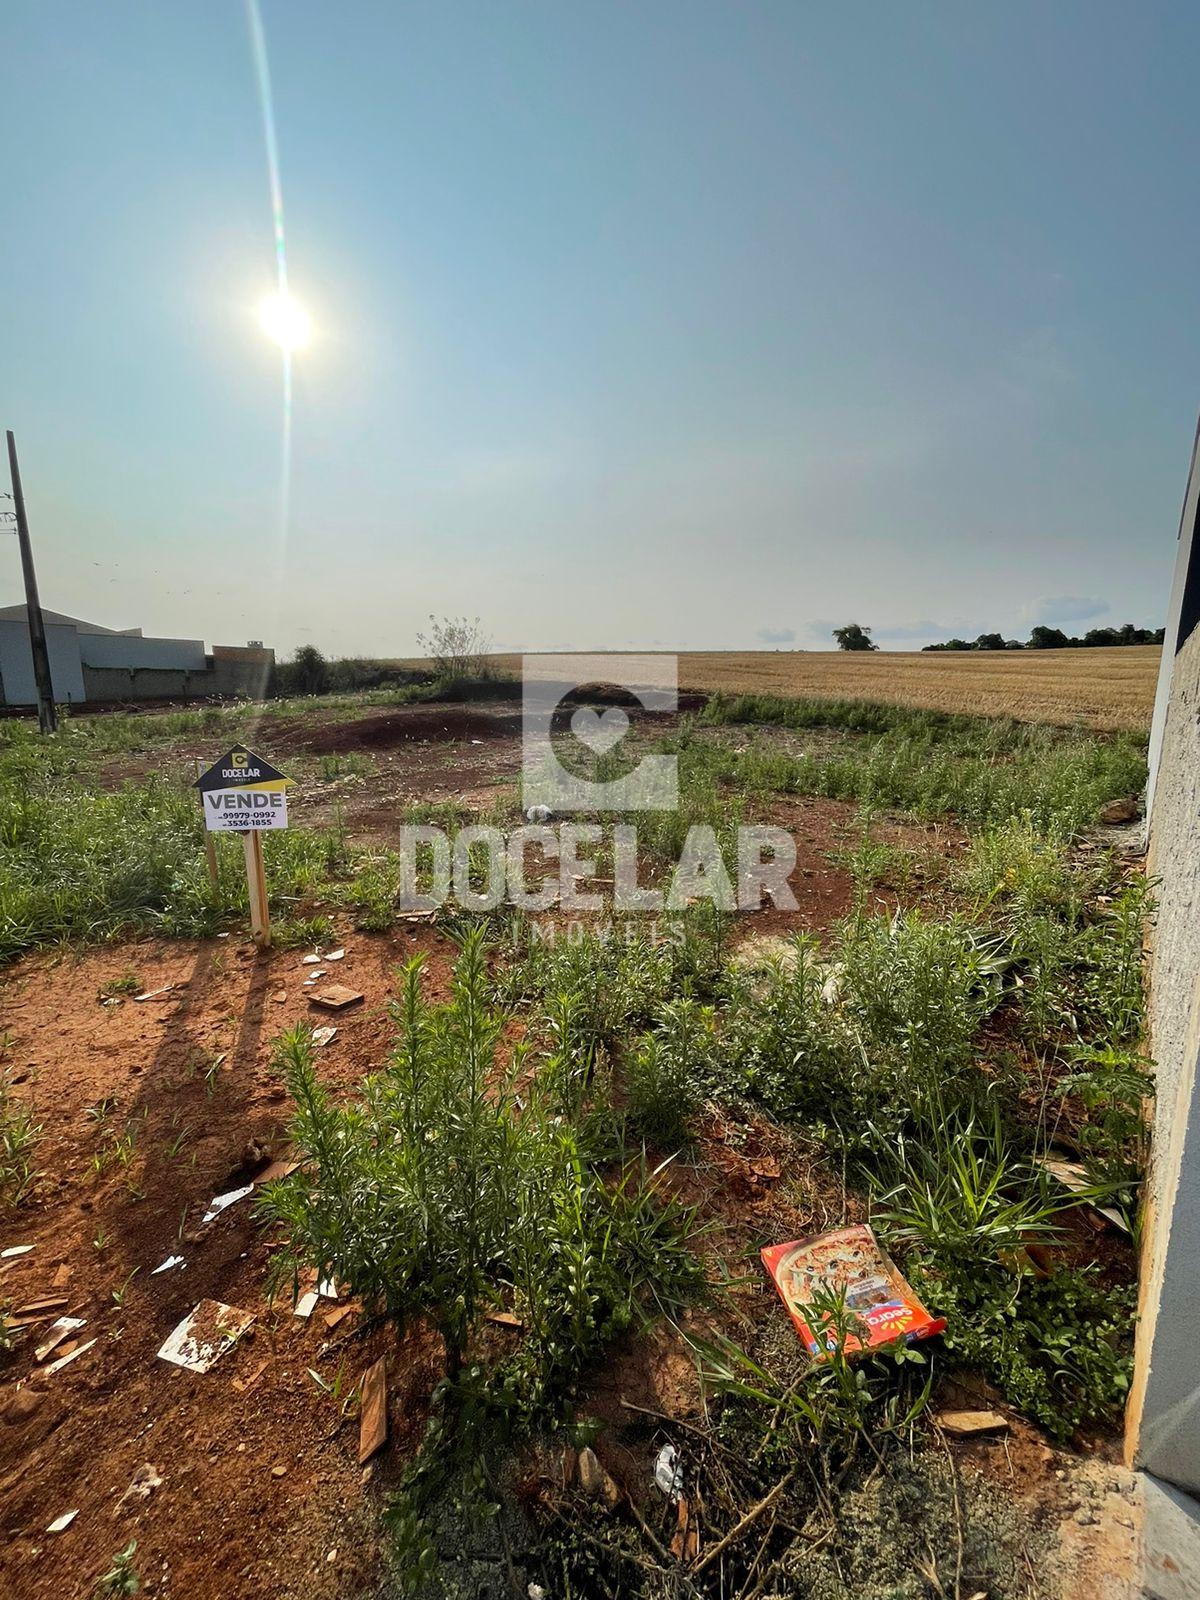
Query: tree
point(990, 641)
point(310, 670)
point(1043, 638)
point(854, 637)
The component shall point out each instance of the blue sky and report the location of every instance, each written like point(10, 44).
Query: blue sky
point(664, 325)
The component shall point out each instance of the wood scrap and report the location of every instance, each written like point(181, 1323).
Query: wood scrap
point(373, 1419)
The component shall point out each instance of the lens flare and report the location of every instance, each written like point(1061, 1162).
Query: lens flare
point(285, 320)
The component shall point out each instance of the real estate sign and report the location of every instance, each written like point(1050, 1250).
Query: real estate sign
point(242, 793)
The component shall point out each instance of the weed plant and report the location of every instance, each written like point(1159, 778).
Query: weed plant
point(444, 1193)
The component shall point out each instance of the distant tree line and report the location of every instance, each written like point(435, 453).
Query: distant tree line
point(1043, 638)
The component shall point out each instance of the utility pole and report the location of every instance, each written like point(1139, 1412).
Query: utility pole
point(47, 717)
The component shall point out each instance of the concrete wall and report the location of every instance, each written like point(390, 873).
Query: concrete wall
point(143, 683)
point(16, 664)
point(134, 653)
point(227, 672)
point(241, 670)
point(1164, 1409)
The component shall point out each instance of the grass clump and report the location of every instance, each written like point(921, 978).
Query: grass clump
point(664, 1069)
point(18, 1136)
point(96, 863)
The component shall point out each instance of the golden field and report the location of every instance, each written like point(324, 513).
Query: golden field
point(1111, 688)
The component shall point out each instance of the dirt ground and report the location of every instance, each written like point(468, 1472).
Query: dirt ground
point(261, 1490)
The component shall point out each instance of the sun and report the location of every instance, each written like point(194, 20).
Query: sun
point(285, 320)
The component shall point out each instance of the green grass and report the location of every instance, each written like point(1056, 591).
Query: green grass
point(984, 771)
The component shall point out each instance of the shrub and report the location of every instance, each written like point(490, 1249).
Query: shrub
point(458, 648)
point(664, 1069)
point(436, 1196)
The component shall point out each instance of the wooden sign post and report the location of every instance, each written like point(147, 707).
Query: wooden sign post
point(256, 878)
point(242, 793)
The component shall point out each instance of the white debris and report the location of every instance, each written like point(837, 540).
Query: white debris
point(57, 1332)
point(668, 1473)
point(167, 1265)
point(204, 1335)
point(333, 955)
point(61, 1524)
point(219, 1201)
point(323, 1035)
point(306, 1304)
point(311, 961)
point(56, 1366)
point(15, 1250)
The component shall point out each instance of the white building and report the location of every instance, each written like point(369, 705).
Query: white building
point(90, 662)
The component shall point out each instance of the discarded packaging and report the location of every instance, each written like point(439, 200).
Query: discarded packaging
point(306, 1304)
point(335, 998)
point(204, 1335)
point(277, 1169)
point(372, 1419)
point(219, 1201)
point(1074, 1178)
point(167, 1265)
point(878, 1299)
point(668, 1472)
point(61, 1524)
point(15, 1250)
point(57, 1366)
point(57, 1332)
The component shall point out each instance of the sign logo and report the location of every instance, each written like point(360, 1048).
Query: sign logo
point(242, 793)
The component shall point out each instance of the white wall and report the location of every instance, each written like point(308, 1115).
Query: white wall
point(129, 651)
point(1164, 1408)
point(16, 664)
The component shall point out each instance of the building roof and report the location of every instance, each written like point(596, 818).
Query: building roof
point(18, 613)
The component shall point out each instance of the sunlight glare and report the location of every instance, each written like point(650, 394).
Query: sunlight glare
point(285, 320)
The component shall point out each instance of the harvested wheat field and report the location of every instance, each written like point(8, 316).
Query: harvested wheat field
point(1104, 689)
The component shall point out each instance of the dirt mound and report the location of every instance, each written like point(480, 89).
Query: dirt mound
point(420, 725)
